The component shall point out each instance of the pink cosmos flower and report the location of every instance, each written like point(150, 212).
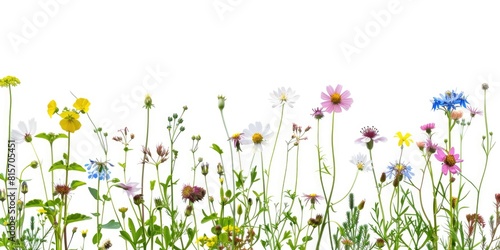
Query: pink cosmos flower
point(335, 99)
point(449, 160)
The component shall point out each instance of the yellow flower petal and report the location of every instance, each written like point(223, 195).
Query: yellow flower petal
point(52, 108)
point(70, 121)
point(82, 105)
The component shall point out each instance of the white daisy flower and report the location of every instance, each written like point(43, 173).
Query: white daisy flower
point(281, 96)
point(257, 135)
point(361, 162)
point(25, 132)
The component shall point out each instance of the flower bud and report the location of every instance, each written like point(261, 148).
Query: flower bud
point(217, 230)
point(380, 243)
point(239, 210)
point(138, 199)
point(34, 164)
point(148, 102)
point(383, 177)
point(361, 205)
point(221, 102)
point(24, 187)
point(485, 86)
point(189, 210)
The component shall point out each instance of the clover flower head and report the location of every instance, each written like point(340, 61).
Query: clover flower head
point(282, 95)
point(449, 160)
point(399, 169)
point(450, 100)
point(25, 132)
point(98, 169)
point(257, 135)
point(335, 100)
point(361, 162)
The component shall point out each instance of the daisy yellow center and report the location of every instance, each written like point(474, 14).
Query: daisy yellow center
point(335, 98)
point(450, 160)
point(257, 138)
point(360, 165)
point(283, 97)
point(236, 136)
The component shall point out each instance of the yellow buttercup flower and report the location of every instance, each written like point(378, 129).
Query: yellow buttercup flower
point(82, 105)
point(70, 121)
point(52, 108)
point(42, 211)
point(404, 139)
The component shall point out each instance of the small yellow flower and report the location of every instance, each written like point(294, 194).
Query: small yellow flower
point(230, 228)
point(82, 105)
point(84, 233)
point(52, 108)
point(42, 211)
point(70, 121)
point(404, 139)
point(9, 81)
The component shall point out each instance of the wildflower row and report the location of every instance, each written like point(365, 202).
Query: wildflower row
point(231, 205)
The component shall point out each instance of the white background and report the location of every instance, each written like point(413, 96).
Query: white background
point(393, 56)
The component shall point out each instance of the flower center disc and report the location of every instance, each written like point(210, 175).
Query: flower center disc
point(335, 98)
point(257, 138)
point(450, 160)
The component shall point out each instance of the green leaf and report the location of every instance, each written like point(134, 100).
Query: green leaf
point(97, 238)
point(217, 148)
point(112, 224)
point(51, 137)
point(94, 193)
point(209, 218)
point(76, 167)
point(126, 236)
point(76, 217)
point(106, 198)
point(58, 165)
point(76, 183)
point(34, 203)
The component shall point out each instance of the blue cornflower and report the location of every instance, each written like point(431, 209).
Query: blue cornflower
point(398, 169)
point(98, 169)
point(449, 101)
